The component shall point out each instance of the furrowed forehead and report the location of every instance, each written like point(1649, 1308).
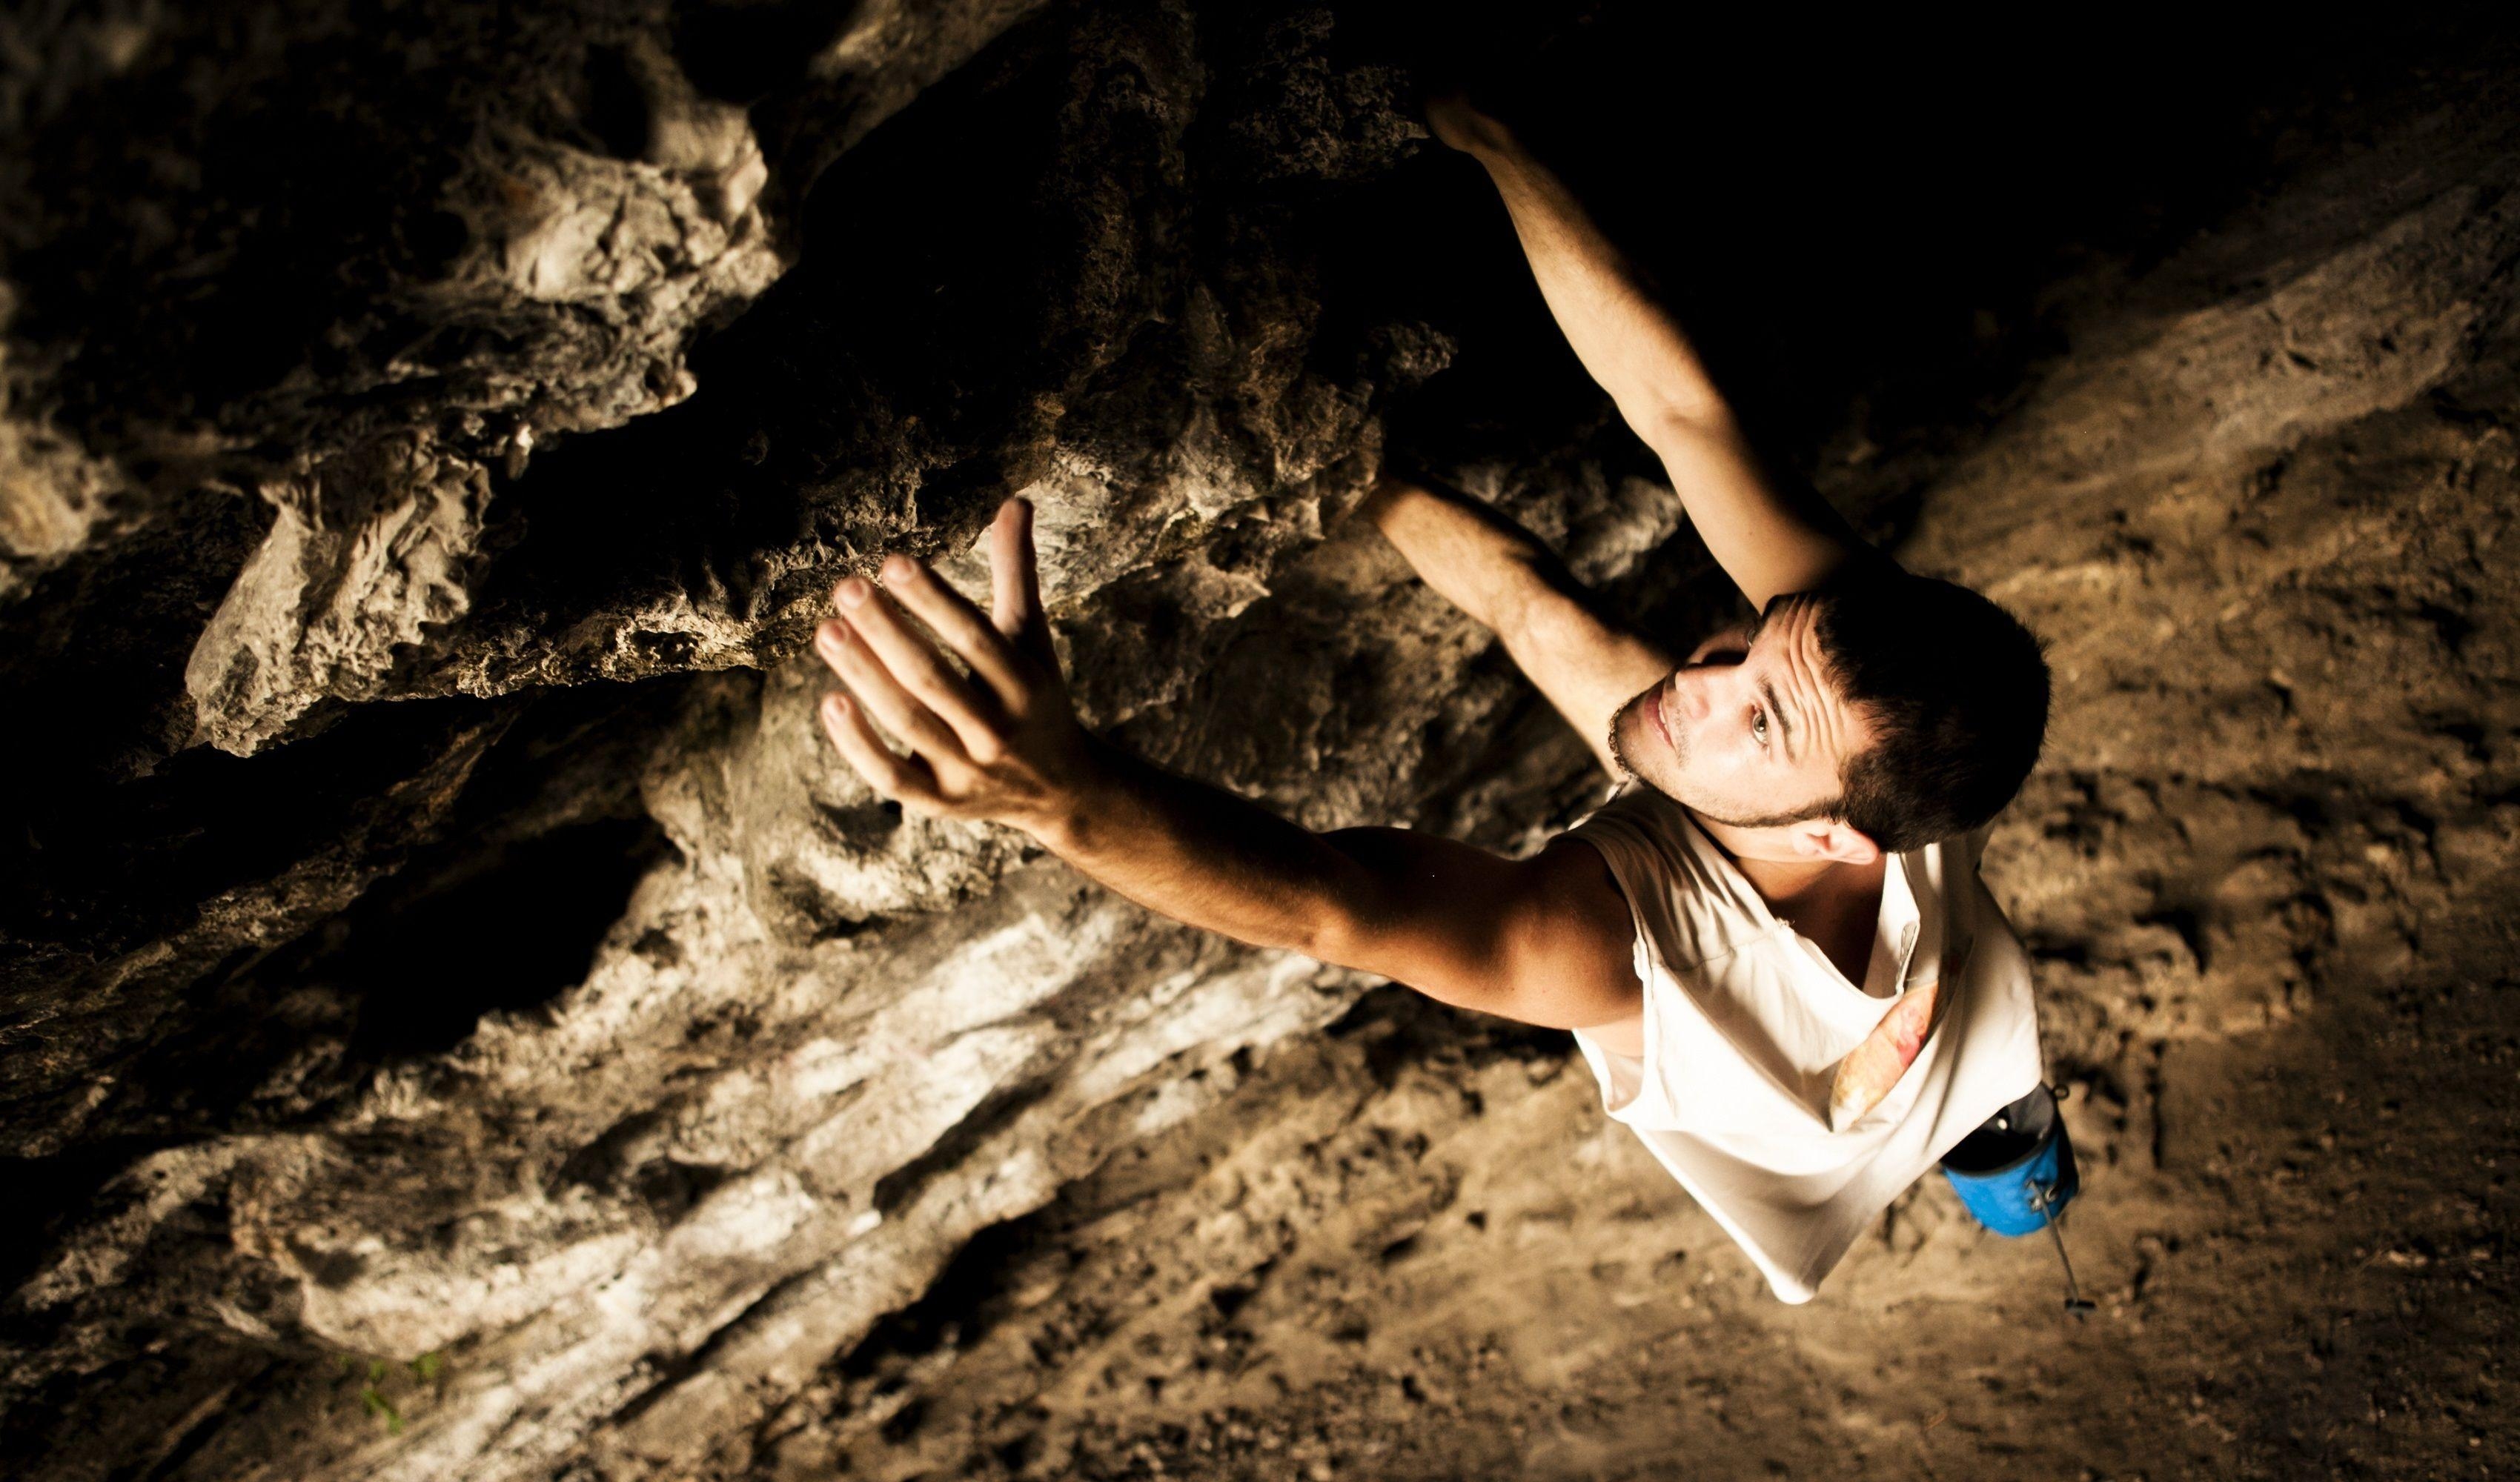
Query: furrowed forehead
point(1793, 619)
point(1780, 611)
point(1778, 607)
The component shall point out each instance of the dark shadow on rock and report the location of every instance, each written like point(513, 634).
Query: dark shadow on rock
point(387, 882)
point(518, 929)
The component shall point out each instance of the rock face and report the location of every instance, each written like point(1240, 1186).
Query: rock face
point(460, 1021)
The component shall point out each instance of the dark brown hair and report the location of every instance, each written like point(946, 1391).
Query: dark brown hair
point(1955, 688)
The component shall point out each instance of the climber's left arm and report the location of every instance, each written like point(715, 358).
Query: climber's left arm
point(1565, 638)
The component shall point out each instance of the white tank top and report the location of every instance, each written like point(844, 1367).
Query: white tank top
point(1745, 1022)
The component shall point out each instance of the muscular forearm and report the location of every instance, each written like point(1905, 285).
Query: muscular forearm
point(1478, 559)
point(1612, 320)
point(1586, 663)
point(1768, 539)
point(1203, 856)
point(1433, 914)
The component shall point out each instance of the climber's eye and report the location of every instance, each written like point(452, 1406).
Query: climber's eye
point(1758, 728)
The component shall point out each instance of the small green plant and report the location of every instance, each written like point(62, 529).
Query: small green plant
point(376, 1375)
point(378, 1404)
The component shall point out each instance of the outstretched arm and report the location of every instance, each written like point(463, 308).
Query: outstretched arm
point(1768, 540)
point(1544, 940)
point(1586, 663)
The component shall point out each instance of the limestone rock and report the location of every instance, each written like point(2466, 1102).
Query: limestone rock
point(458, 1017)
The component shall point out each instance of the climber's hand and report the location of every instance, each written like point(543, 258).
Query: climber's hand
point(1457, 123)
point(1001, 743)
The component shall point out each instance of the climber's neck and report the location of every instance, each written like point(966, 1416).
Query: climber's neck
point(1793, 892)
point(1781, 867)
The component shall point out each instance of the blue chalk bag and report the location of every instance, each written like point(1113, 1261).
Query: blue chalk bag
point(2016, 1170)
point(2016, 1174)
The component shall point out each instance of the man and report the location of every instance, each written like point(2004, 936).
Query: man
point(1771, 944)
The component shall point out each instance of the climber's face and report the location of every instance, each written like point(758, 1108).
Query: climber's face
point(1749, 732)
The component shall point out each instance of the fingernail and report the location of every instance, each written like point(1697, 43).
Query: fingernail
point(853, 592)
point(897, 568)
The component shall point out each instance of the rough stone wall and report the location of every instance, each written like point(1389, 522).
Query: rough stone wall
point(459, 1022)
point(439, 930)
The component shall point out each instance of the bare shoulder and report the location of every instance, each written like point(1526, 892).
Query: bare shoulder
point(1572, 939)
point(1546, 940)
point(1571, 883)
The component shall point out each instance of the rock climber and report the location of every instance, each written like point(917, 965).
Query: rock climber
point(1771, 942)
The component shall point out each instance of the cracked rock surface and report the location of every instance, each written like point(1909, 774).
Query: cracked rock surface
point(457, 1020)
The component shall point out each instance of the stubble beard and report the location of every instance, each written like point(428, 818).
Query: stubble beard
point(1619, 755)
point(1618, 746)
point(1680, 756)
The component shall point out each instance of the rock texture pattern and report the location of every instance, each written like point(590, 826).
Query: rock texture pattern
point(460, 1022)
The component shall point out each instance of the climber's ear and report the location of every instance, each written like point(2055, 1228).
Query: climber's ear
point(1018, 580)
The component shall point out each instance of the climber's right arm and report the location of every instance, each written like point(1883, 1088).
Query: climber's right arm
point(1544, 940)
point(1586, 662)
